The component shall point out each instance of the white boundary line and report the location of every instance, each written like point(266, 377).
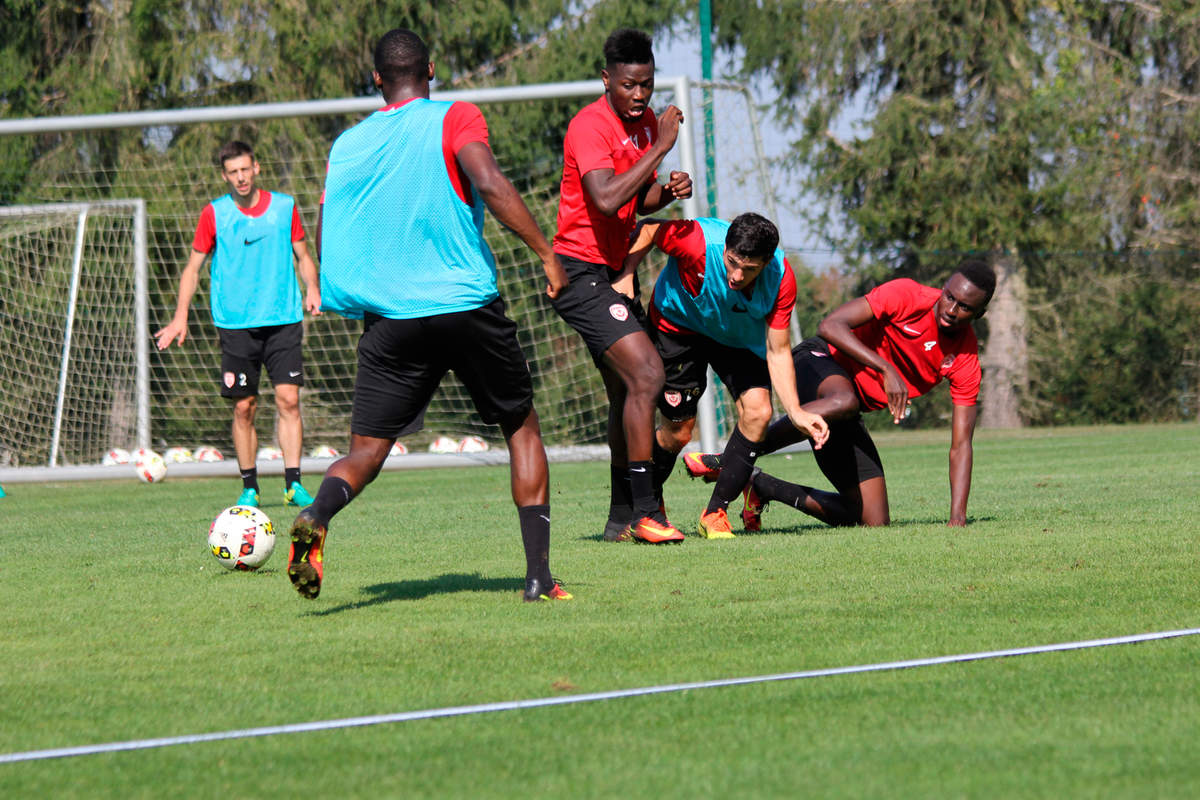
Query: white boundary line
point(454, 711)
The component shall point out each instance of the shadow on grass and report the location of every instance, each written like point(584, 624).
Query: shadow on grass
point(418, 589)
point(819, 528)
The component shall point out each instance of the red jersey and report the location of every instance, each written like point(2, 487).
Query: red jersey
point(598, 139)
point(684, 241)
point(906, 333)
point(463, 124)
point(206, 230)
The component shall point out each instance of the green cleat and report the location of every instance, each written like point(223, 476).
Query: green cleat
point(248, 497)
point(297, 495)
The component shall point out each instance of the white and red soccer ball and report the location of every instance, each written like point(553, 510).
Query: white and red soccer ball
point(398, 449)
point(443, 444)
point(241, 538)
point(115, 456)
point(324, 451)
point(178, 455)
point(269, 453)
point(471, 444)
point(207, 454)
point(149, 466)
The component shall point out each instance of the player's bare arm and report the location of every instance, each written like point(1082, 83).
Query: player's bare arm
point(838, 330)
point(962, 432)
point(609, 192)
point(783, 379)
point(176, 329)
point(640, 242)
point(308, 273)
point(505, 203)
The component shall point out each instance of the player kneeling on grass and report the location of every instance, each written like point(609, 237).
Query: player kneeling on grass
point(877, 351)
point(724, 299)
point(401, 237)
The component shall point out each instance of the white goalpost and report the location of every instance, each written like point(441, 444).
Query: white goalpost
point(85, 279)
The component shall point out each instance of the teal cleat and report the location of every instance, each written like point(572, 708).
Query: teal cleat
point(297, 495)
point(248, 497)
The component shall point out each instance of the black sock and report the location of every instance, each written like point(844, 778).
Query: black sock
point(770, 488)
point(250, 478)
point(332, 496)
point(736, 464)
point(641, 485)
point(620, 504)
point(535, 535)
point(290, 475)
point(664, 463)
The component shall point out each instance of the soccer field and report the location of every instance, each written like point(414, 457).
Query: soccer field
point(120, 626)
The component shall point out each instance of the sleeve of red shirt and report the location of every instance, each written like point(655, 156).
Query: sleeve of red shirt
point(965, 377)
point(781, 315)
point(891, 299)
point(297, 224)
point(463, 124)
point(590, 145)
point(206, 231)
point(683, 240)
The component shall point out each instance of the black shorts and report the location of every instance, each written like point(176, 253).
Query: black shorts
point(686, 358)
point(245, 351)
point(590, 305)
point(849, 457)
point(401, 362)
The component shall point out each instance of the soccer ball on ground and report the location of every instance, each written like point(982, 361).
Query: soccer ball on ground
point(241, 538)
point(141, 454)
point(398, 449)
point(472, 444)
point(115, 456)
point(324, 451)
point(208, 454)
point(178, 455)
point(443, 444)
point(269, 453)
point(150, 467)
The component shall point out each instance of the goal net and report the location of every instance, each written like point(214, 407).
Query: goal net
point(169, 163)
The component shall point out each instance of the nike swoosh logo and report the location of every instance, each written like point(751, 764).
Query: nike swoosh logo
point(637, 469)
point(252, 241)
point(292, 374)
point(908, 329)
point(543, 516)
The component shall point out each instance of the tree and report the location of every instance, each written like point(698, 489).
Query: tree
point(1005, 128)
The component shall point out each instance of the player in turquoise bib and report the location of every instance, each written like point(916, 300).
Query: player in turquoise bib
point(254, 237)
point(723, 300)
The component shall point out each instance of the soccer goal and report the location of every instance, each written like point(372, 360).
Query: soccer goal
point(82, 377)
point(73, 301)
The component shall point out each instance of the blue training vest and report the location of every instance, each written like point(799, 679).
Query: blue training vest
point(718, 312)
point(396, 239)
point(253, 278)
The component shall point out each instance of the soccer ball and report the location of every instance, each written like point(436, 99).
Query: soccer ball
point(269, 453)
point(115, 456)
point(443, 444)
point(241, 538)
point(472, 444)
point(208, 454)
point(151, 468)
point(141, 454)
point(324, 451)
point(398, 449)
point(178, 455)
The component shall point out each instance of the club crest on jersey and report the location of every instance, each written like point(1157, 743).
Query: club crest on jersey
point(229, 379)
point(947, 361)
point(619, 312)
point(673, 398)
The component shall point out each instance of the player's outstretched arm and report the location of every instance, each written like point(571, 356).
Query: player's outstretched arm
point(783, 380)
point(838, 330)
point(308, 273)
point(176, 329)
point(505, 203)
point(962, 431)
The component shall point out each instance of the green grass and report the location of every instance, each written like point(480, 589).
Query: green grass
point(119, 625)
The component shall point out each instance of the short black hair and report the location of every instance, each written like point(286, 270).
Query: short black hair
point(628, 46)
point(233, 149)
point(752, 235)
point(981, 274)
point(401, 54)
